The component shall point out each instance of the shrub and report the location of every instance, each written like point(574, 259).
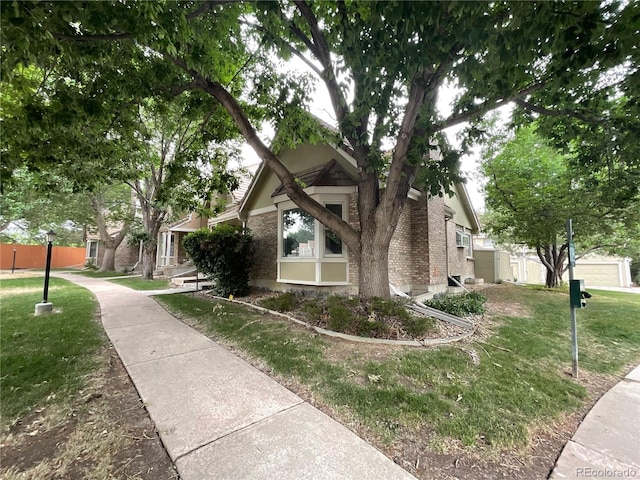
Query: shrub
point(282, 303)
point(91, 265)
point(470, 303)
point(224, 254)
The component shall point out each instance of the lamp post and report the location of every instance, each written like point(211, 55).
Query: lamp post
point(45, 306)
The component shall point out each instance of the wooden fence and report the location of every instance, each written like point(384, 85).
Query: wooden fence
point(35, 256)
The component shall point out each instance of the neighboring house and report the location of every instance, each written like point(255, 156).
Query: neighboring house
point(294, 251)
point(127, 257)
point(523, 265)
point(492, 264)
point(171, 257)
point(603, 271)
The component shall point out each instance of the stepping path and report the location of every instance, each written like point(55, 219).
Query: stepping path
point(218, 416)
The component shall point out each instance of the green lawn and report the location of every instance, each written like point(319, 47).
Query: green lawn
point(491, 391)
point(138, 283)
point(45, 359)
point(97, 274)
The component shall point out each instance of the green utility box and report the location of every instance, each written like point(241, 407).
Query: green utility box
point(576, 294)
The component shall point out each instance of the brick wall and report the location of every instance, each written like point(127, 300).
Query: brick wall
point(459, 263)
point(437, 241)
point(419, 246)
point(400, 251)
point(354, 221)
point(265, 233)
point(126, 256)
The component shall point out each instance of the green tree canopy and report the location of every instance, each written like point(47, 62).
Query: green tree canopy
point(383, 64)
point(532, 189)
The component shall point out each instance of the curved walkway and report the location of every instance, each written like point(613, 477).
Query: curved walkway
point(218, 416)
point(607, 442)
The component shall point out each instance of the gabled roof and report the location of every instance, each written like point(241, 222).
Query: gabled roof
point(243, 186)
point(328, 174)
point(466, 202)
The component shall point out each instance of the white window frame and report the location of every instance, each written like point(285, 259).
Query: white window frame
point(463, 240)
point(88, 252)
point(319, 256)
point(167, 240)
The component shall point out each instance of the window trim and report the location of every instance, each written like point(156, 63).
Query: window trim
point(320, 256)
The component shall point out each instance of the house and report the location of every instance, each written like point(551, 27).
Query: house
point(523, 265)
point(492, 264)
point(603, 271)
point(294, 251)
point(171, 257)
point(127, 257)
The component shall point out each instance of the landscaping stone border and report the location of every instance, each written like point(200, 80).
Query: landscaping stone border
point(429, 342)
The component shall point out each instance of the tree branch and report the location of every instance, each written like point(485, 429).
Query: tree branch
point(487, 106)
point(557, 113)
point(295, 192)
point(92, 38)
point(321, 51)
point(205, 7)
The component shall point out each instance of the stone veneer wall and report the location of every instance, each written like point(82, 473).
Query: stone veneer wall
point(265, 233)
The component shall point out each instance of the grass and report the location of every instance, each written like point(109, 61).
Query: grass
point(138, 283)
point(45, 359)
point(487, 393)
point(97, 274)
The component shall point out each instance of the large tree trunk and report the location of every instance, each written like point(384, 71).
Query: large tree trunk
point(109, 259)
point(110, 243)
point(149, 259)
point(374, 269)
point(553, 260)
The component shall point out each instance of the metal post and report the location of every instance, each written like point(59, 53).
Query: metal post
point(47, 272)
point(572, 309)
point(13, 265)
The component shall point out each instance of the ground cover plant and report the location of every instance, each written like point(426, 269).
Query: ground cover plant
point(367, 317)
point(468, 303)
point(138, 283)
point(68, 407)
point(501, 403)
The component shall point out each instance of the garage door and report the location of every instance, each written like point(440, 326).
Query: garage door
point(598, 275)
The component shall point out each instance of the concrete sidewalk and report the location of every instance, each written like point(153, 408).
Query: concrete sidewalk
point(219, 417)
point(607, 442)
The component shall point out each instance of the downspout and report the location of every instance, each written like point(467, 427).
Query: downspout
point(446, 247)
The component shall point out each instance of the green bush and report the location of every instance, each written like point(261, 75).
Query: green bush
point(225, 255)
point(282, 303)
point(470, 303)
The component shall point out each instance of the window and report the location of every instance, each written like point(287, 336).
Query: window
point(298, 233)
point(309, 253)
point(333, 244)
point(93, 249)
point(463, 240)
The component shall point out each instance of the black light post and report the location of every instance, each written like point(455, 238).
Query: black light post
point(13, 265)
point(46, 306)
